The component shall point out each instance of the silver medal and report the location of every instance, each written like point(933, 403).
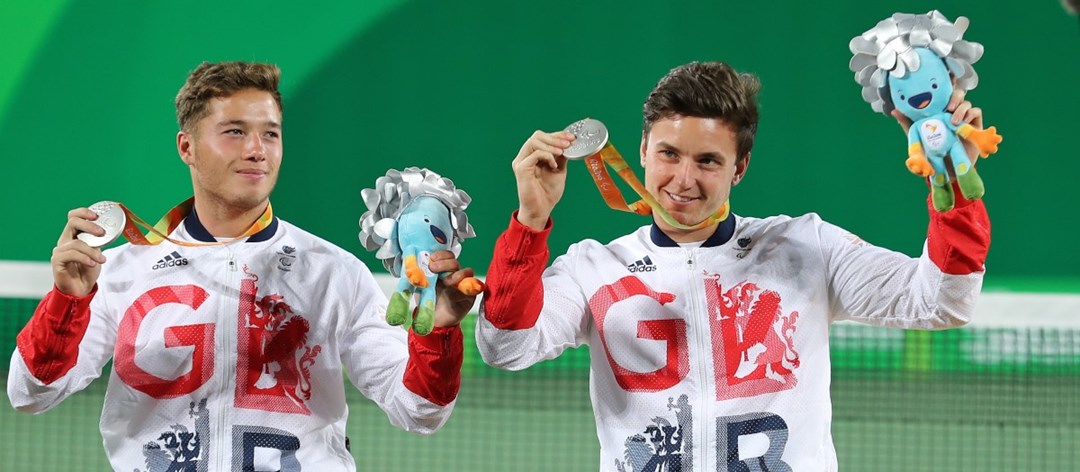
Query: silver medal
point(111, 217)
point(591, 137)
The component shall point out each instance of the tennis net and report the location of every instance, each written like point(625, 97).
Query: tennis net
point(1000, 395)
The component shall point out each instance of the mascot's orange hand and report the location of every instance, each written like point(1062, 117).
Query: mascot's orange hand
point(987, 140)
point(470, 286)
point(414, 273)
point(917, 162)
point(920, 166)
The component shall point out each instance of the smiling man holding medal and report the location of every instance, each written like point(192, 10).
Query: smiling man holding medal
point(228, 327)
point(708, 331)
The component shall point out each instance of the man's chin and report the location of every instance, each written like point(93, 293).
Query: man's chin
point(680, 214)
point(681, 218)
point(249, 202)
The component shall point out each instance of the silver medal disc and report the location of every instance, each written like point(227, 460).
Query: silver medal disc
point(591, 136)
point(111, 217)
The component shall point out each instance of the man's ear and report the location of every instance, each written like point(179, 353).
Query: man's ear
point(740, 169)
point(185, 144)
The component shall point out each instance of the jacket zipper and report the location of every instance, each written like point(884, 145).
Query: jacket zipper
point(701, 325)
point(226, 345)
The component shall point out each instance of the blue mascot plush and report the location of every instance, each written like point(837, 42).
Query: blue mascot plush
point(911, 63)
point(411, 214)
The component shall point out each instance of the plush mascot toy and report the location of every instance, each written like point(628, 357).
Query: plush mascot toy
point(411, 214)
point(911, 63)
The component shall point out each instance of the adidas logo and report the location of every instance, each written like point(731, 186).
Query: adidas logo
point(171, 260)
point(642, 265)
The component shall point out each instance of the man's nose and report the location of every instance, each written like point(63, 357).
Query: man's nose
point(254, 148)
point(686, 173)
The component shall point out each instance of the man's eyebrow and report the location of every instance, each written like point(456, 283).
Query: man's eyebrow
point(716, 156)
point(668, 146)
point(269, 124)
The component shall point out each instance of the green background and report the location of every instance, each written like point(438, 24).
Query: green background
point(86, 114)
point(86, 109)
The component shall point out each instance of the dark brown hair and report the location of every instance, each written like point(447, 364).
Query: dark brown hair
point(707, 90)
point(222, 79)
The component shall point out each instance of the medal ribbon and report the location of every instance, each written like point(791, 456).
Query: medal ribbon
point(648, 204)
point(172, 219)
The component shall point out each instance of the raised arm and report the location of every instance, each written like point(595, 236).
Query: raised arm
point(64, 345)
point(529, 315)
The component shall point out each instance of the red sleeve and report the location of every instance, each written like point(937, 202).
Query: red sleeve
point(49, 343)
point(514, 294)
point(959, 239)
point(434, 368)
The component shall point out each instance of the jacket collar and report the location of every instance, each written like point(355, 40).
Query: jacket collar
point(196, 229)
point(724, 231)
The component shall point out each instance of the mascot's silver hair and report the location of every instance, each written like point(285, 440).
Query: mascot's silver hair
point(392, 194)
point(889, 48)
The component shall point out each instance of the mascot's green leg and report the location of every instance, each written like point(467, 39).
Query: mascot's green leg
point(397, 313)
point(941, 193)
point(971, 185)
point(425, 320)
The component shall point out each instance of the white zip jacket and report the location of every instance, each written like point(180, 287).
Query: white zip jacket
point(230, 357)
point(716, 358)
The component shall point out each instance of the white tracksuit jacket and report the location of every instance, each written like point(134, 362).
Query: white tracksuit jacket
point(716, 358)
point(230, 357)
